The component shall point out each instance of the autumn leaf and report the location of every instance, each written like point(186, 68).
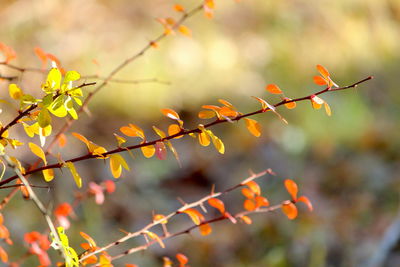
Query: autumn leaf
point(195, 215)
point(289, 209)
point(253, 126)
point(38, 152)
point(292, 188)
point(306, 201)
point(116, 164)
point(205, 229)
point(218, 204)
point(273, 89)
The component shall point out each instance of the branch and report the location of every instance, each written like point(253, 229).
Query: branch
point(180, 210)
point(182, 133)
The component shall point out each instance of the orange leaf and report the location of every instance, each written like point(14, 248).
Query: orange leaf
point(254, 187)
point(206, 114)
point(253, 127)
point(109, 185)
point(3, 255)
point(92, 243)
point(319, 80)
point(91, 260)
point(182, 259)
point(306, 201)
point(170, 113)
point(218, 204)
point(316, 102)
point(179, 8)
point(261, 201)
point(174, 129)
point(148, 151)
point(273, 89)
point(249, 205)
point(64, 209)
point(205, 229)
point(290, 105)
point(132, 131)
point(228, 112)
point(290, 210)
point(246, 219)
point(185, 30)
point(291, 187)
point(248, 193)
point(195, 215)
point(324, 72)
point(130, 265)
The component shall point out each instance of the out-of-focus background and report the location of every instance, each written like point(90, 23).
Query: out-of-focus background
point(347, 164)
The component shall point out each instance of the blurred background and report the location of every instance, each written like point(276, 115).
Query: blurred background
point(347, 164)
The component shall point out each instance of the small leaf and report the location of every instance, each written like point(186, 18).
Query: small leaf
point(182, 259)
point(273, 89)
point(161, 151)
point(48, 175)
point(15, 91)
point(3, 255)
point(319, 80)
point(218, 204)
point(261, 202)
point(185, 30)
point(38, 152)
point(132, 131)
point(159, 132)
point(206, 114)
point(205, 229)
point(249, 205)
point(290, 210)
point(204, 139)
point(195, 215)
point(323, 71)
point(174, 129)
point(179, 8)
point(170, 113)
point(116, 164)
point(44, 118)
point(155, 237)
point(253, 186)
point(75, 174)
point(89, 239)
point(161, 218)
point(290, 105)
point(306, 201)
point(292, 188)
point(148, 151)
point(253, 126)
point(248, 193)
point(62, 140)
point(120, 139)
point(246, 219)
point(327, 109)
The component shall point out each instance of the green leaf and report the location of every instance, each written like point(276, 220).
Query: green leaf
point(47, 100)
point(44, 118)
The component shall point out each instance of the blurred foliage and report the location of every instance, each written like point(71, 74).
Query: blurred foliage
point(348, 164)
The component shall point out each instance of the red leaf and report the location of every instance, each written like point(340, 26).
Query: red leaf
point(64, 209)
point(161, 151)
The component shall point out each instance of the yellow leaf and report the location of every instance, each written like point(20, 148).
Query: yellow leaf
point(204, 139)
point(15, 91)
point(75, 174)
point(120, 139)
point(253, 126)
point(155, 237)
point(48, 175)
point(327, 109)
point(148, 151)
point(38, 152)
point(159, 132)
point(116, 164)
